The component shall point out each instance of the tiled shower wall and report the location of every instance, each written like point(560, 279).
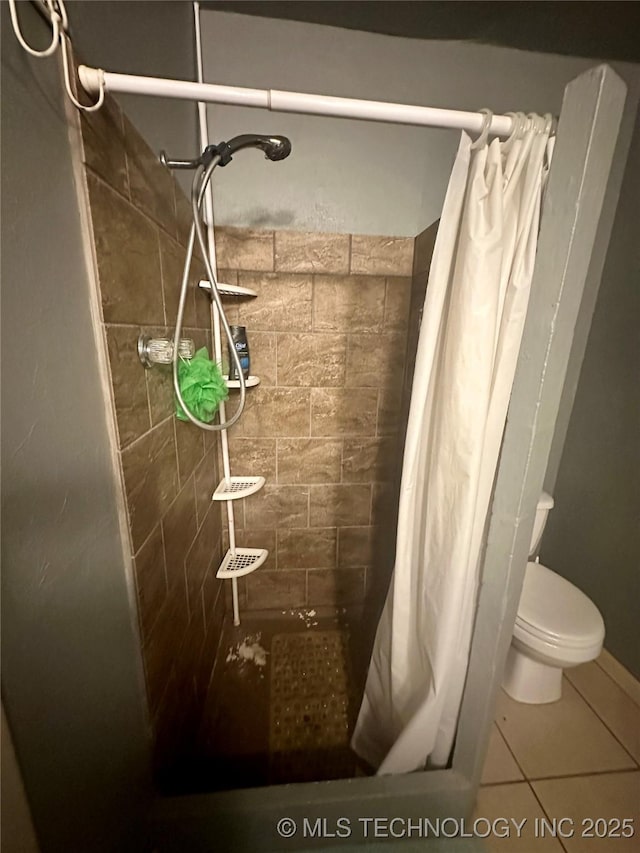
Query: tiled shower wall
point(139, 220)
point(327, 336)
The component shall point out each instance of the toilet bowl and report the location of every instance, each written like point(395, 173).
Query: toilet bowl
point(557, 626)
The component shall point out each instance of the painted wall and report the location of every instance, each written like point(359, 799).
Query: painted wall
point(71, 671)
point(592, 536)
point(353, 176)
point(150, 38)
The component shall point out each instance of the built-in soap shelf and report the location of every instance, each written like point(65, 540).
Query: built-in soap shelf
point(236, 488)
point(241, 562)
point(228, 289)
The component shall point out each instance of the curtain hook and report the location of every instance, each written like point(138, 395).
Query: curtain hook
point(516, 130)
point(484, 133)
point(548, 123)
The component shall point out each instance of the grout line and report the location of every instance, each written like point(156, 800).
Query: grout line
point(626, 676)
point(544, 811)
point(604, 722)
point(144, 434)
point(613, 772)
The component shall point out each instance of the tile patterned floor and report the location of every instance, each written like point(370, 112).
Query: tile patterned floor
point(576, 759)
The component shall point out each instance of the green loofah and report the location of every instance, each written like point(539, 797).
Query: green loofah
point(202, 387)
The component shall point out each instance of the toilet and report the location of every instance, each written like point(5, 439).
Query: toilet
point(557, 626)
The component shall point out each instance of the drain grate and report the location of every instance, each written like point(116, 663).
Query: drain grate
point(311, 707)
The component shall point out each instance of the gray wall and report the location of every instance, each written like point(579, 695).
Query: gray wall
point(353, 176)
point(71, 671)
point(592, 536)
point(151, 38)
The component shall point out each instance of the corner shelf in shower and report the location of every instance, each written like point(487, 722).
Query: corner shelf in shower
point(228, 289)
point(242, 562)
point(249, 382)
point(237, 487)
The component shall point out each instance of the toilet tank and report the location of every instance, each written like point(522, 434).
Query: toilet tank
point(544, 505)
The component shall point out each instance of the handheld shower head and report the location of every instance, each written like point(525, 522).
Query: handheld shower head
point(274, 147)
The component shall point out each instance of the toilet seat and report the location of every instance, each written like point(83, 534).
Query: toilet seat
point(553, 613)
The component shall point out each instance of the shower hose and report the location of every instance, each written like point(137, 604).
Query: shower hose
point(200, 183)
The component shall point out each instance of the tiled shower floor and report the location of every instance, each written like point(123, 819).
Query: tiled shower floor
point(246, 708)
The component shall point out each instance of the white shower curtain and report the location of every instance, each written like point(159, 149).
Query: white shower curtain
point(473, 318)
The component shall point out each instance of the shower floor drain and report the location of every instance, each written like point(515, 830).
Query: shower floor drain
point(311, 707)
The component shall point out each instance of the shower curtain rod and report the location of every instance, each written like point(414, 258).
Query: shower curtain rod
point(95, 79)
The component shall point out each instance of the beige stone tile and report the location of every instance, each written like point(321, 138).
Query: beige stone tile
point(159, 381)
point(103, 141)
point(424, 246)
point(183, 213)
point(151, 580)
point(151, 480)
point(190, 447)
point(509, 806)
point(348, 303)
point(342, 412)
point(244, 249)
point(340, 505)
point(307, 549)
point(203, 554)
point(207, 478)
point(201, 298)
point(283, 304)
point(367, 459)
point(390, 408)
point(609, 797)
point(172, 257)
point(253, 457)
point(309, 460)
point(276, 412)
point(559, 739)
point(311, 359)
point(278, 506)
point(620, 675)
point(150, 183)
point(307, 251)
point(262, 352)
point(128, 383)
point(356, 546)
point(257, 537)
point(397, 302)
point(242, 595)
point(381, 255)
point(212, 597)
point(128, 259)
point(179, 527)
point(268, 590)
point(162, 649)
point(375, 360)
point(384, 504)
point(610, 702)
point(335, 587)
point(500, 765)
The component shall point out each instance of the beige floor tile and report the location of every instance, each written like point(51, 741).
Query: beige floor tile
point(620, 675)
point(505, 804)
point(562, 738)
point(499, 765)
point(610, 702)
point(585, 798)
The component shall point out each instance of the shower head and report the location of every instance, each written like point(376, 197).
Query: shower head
point(274, 147)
